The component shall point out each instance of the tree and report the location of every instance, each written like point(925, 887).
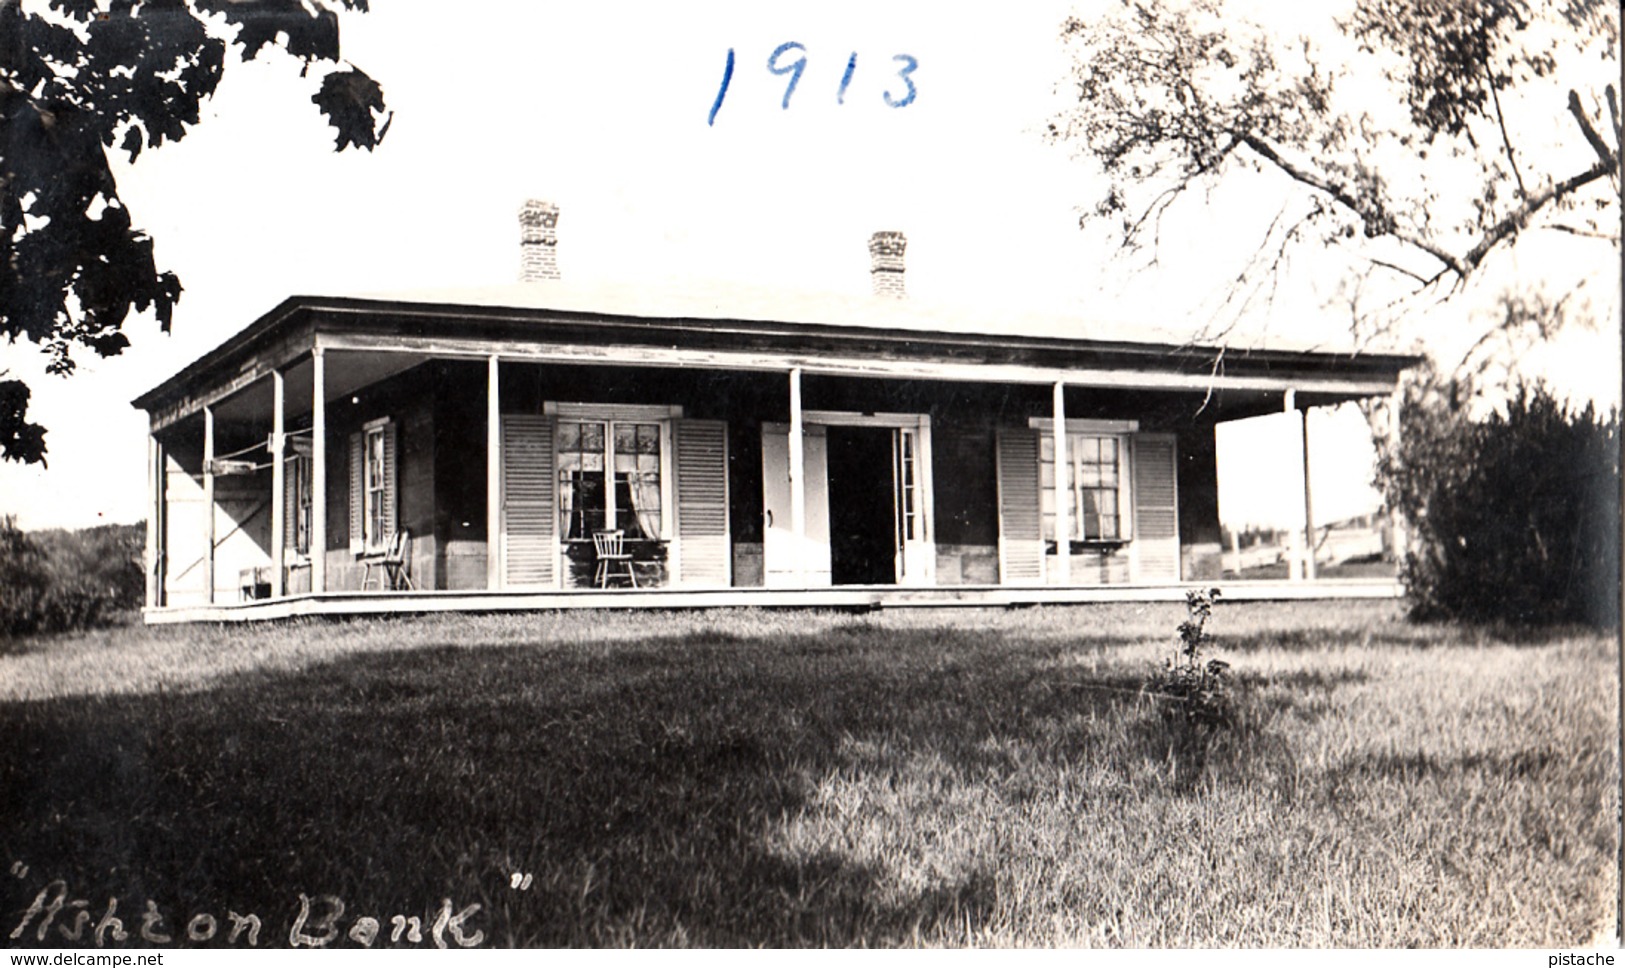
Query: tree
point(81, 77)
point(1418, 133)
point(1514, 516)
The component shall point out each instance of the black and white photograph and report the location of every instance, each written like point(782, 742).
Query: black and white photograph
point(1132, 474)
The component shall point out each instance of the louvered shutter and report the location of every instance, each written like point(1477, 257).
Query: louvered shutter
point(290, 504)
point(1156, 509)
point(391, 492)
point(529, 514)
point(1021, 535)
point(701, 463)
point(357, 467)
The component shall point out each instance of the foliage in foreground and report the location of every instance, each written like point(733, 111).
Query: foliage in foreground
point(1383, 126)
point(1514, 517)
point(977, 777)
point(59, 581)
point(85, 78)
point(1193, 693)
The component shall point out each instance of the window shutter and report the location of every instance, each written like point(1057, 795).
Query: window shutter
point(529, 514)
point(1021, 536)
point(391, 492)
point(290, 504)
point(357, 463)
point(701, 462)
point(1156, 509)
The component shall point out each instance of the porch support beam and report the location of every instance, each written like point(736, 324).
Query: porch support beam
point(208, 503)
point(834, 364)
point(493, 475)
point(1308, 502)
point(1399, 534)
point(318, 472)
point(798, 481)
point(155, 517)
point(279, 508)
point(1289, 408)
point(1062, 484)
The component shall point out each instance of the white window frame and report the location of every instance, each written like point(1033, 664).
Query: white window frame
point(1122, 432)
point(303, 502)
point(369, 504)
point(610, 414)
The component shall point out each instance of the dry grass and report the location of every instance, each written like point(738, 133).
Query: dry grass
point(783, 778)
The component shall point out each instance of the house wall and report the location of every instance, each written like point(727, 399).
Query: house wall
point(1200, 536)
point(440, 413)
point(460, 472)
point(184, 542)
point(742, 400)
point(408, 400)
point(965, 500)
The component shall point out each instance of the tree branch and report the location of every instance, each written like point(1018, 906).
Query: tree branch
point(1519, 219)
point(1506, 139)
point(1403, 271)
point(1376, 221)
point(1592, 137)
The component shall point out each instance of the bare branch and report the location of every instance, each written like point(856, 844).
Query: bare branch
point(1519, 219)
point(1583, 233)
point(1592, 137)
point(1376, 221)
point(1424, 280)
point(1506, 140)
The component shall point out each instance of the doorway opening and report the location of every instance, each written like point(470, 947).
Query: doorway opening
point(862, 509)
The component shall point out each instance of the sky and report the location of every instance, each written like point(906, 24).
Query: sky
point(603, 109)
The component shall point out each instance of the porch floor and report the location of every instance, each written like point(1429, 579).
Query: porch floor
point(846, 596)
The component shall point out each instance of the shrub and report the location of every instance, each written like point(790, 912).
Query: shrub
point(56, 581)
point(1514, 517)
point(1194, 693)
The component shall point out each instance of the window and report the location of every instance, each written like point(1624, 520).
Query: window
point(1095, 495)
point(372, 487)
point(374, 517)
point(594, 454)
point(299, 469)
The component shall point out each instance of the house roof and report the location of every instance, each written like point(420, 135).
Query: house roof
point(767, 319)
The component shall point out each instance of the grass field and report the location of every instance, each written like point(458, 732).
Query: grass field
point(791, 778)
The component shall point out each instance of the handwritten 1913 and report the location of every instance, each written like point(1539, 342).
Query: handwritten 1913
point(782, 63)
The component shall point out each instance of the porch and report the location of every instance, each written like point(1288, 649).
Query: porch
point(745, 464)
point(854, 598)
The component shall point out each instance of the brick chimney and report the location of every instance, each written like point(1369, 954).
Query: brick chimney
point(886, 263)
point(538, 241)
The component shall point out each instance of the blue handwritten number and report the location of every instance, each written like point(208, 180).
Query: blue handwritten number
point(909, 64)
point(722, 92)
point(851, 65)
point(794, 68)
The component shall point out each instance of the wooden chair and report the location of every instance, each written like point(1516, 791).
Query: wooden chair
point(393, 564)
point(614, 561)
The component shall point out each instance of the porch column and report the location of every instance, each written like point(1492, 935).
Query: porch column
point(1400, 536)
point(318, 472)
point(208, 503)
point(279, 508)
point(1063, 466)
point(1308, 503)
point(1289, 407)
point(155, 503)
point(493, 477)
point(798, 483)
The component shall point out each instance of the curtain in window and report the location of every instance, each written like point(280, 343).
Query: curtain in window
point(567, 502)
point(637, 469)
point(645, 493)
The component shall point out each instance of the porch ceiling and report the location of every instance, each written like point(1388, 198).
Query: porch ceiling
point(346, 373)
point(368, 340)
